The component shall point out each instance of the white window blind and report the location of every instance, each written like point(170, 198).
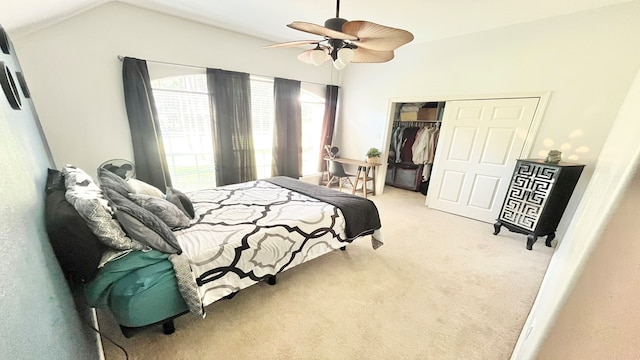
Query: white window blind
point(262, 117)
point(312, 104)
point(183, 112)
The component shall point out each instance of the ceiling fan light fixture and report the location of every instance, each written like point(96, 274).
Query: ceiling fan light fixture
point(345, 55)
point(339, 65)
point(318, 56)
point(342, 57)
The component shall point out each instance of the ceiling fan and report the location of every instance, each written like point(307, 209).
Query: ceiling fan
point(346, 41)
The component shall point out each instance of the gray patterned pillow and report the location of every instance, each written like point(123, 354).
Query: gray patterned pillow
point(166, 211)
point(110, 180)
point(82, 185)
point(142, 225)
point(86, 197)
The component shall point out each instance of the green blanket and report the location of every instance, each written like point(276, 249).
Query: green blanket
point(97, 291)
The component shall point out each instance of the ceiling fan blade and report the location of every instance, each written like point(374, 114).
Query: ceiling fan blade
point(362, 55)
point(377, 37)
point(305, 56)
point(292, 44)
point(320, 30)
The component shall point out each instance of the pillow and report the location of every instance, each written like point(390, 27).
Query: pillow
point(182, 201)
point(112, 181)
point(55, 181)
point(86, 197)
point(166, 211)
point(82, 185)
point(77, 249)
point(121, 170)
point(141, 187)
point(142, 225)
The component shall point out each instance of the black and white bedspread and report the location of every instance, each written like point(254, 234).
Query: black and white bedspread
point(246, 232)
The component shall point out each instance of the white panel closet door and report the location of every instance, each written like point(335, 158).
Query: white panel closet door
point(478, 145)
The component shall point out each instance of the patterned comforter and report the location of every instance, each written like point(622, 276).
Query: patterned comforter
point(246, 232)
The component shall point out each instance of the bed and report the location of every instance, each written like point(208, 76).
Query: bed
point(236, 236)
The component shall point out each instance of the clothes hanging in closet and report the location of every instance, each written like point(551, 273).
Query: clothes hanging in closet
point(397, 137)
point(424, 149)
point(420, 146)
point(414, 144)
point(409, 136)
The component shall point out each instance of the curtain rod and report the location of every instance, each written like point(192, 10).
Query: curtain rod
point(121, 58)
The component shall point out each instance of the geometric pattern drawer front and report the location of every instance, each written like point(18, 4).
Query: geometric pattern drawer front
point(527, 194)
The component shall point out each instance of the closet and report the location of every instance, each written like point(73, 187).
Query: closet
point(414, 138)
point(475, 148)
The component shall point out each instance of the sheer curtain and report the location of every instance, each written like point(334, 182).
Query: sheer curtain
point(148, 149)
point(230, 104)
point(287, 130)
point(329, 122)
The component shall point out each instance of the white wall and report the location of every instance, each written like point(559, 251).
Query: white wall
point(601, 319)
point(39, 317)
point(615, 168)
point(586, 60)
point(76, 79)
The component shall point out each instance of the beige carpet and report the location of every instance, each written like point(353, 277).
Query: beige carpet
point(442, 287)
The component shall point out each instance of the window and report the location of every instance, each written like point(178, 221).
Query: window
point(312, 117)
point(183, 112)
point(262, 117)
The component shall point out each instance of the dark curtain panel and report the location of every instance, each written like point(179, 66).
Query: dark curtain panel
point(329, 122)
point(148, 150)
point(230, 103)
point(287, 132)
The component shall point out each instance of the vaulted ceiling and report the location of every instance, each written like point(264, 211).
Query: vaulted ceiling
point(427, 19)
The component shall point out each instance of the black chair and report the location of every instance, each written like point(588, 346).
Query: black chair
point(336, 172)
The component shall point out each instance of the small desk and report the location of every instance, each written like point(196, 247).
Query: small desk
point(362, 165)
